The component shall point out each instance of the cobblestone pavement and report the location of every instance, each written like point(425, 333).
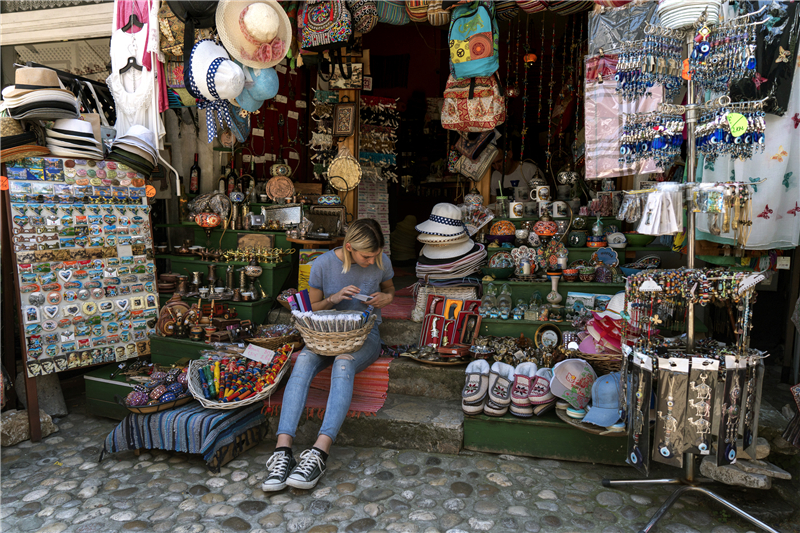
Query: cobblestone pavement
point(58, 485)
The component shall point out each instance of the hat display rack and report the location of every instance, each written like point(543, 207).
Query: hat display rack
point(742, 368)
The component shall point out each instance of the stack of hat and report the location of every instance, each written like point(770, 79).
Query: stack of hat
point(137, 149)
point(72, 137)
point(37, 93)
point(404, 238)
point(16, 143)
point(448, 252)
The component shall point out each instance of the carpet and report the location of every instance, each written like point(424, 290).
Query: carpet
point(369, 391)
point(401, 306)
point(190, 428)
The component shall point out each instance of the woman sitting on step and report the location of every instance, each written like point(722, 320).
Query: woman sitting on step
point(358, 267)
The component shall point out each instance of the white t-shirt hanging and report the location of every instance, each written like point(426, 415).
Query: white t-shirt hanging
point(132, 90)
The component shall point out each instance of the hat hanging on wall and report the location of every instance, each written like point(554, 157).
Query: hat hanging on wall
point(258, 34)
point(214, 79)
point(260, 85)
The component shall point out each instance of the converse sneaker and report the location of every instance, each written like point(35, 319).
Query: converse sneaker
point(279, 465)
point(307, 473)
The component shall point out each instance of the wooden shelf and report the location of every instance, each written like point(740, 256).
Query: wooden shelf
point(561, 282)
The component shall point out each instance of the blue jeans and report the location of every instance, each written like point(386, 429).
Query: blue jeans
point(344, 371)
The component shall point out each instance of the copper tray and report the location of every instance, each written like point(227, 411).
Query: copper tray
point(280, 187)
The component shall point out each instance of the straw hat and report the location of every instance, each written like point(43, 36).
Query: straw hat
point(30, 79)
point(21, 152)
point(258, 34)
point(10, 127)
point(438, 239)
point(445, 221)
point(450, 251)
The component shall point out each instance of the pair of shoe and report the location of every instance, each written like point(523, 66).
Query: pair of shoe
point(524, 390)
point(285, 471)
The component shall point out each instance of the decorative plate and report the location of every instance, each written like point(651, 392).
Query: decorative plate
point(503, 227)
point(579, 263)
point(280, 187)
point(547, 256)
point(502, 260)
point(547, 336)
point(607, 256)
point(522, 253)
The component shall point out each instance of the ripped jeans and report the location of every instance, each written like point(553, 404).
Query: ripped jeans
point(345, 368)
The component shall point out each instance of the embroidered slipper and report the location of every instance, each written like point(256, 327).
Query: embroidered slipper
point(473, 409)
point(540, 388)
point(477, 383)
point(500, 379)
point(520, 390)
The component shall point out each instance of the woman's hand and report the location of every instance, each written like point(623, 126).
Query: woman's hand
point(344, 294)
point(379, 300)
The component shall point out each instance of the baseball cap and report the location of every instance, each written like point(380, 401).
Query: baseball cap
point(572, 382)
point(605, 409)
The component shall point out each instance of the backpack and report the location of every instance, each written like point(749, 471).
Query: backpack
point(474, 41)
point(327, 25)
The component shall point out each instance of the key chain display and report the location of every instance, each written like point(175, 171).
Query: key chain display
point(653, 60)
point(85, 266)
point(735, 129)
point(657, 136)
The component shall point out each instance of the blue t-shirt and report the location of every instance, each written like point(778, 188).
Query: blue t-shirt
point(326, 275)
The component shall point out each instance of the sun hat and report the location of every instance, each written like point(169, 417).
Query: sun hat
point(605, 409)
point(426, 238)
point(30, 79)
point(16, 143)
point(45, 109)
point(61, 151)
point(445, 221)
point(449, 251)
point(138, 135)
point(260, 85)
point(614, 307)
point(572, 381)
point(21, 152)
point(73, 129)
point(256, 33)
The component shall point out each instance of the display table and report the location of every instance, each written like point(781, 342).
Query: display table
point(219, 435)
point(311, 243)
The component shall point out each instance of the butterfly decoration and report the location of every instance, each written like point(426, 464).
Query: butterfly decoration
point(786, 178)
point(783, 55)
point(709, 165)
point(795, 211)
point(781, 154)
point(766, 213)
point(754, 182)
point(796, 117)
point(758, 80)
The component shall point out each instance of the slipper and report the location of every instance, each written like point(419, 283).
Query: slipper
point(540, 388)
point(520, 390)
point(577, 414)
point(477, 382)
point(473, 409)
point(500, 379)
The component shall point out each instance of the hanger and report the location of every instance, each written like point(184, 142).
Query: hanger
point(131, 64)
point(133, 20)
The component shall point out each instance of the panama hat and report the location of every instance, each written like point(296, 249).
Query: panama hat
point(448, 251)
point(73, 130)
point(258, 34)
point(140, 137)
point(260, 85)
point(426, 238)
point(61, 151)
point(445, 221)
point(30, 79)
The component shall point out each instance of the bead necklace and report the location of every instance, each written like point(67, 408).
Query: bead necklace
point(527, 49)
point(670, 422)
point(541, 77)
point(512, 89)
point(579, 82)
point(509, 80)
point(549, 153)
point(564, 90)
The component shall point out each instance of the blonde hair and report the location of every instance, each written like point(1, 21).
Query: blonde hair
point(364, 235)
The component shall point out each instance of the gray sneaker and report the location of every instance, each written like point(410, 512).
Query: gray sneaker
point(279, 465)
point(307, 473)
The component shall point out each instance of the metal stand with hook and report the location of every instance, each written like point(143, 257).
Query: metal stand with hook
point(689, 482)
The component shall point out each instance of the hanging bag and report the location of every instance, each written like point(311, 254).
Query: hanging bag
point(474, 41)
point(475, 104)
point(327, 25)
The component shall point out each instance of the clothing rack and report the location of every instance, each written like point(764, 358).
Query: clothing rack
point(690, 482)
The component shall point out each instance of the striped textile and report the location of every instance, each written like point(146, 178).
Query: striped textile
point(369, 391)
point(400, 308)
point(190, 428)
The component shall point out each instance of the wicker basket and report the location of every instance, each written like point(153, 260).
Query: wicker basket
point(157, 408)
point(603, 363)
point(273, 343)
point(196, 388)
point(335, 343)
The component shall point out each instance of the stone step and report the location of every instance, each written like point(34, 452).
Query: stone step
point(396, 331)
point(404, 422)
point(418, 379)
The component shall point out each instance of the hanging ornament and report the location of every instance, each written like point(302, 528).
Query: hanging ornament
point(541, 77)
point(549, 153)
point(527, 49)
point(512, 89)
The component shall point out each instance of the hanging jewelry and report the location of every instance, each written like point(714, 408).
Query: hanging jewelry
point(730, 410)
point(670, 422)
point(549, 153)
point(541, 77)
point(749, 414)
point(512, 85)
point(578, 81)
point(562, 93)
point(638, 421)
point(702, 406)
point(527, 49)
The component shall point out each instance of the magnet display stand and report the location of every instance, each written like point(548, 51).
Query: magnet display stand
point(690, 482)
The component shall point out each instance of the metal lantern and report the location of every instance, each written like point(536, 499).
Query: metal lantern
point(545, 227)
point(567, 176)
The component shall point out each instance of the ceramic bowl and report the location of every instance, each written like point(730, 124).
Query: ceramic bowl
point(497, 273)
point(571, 274)
point(636, 239)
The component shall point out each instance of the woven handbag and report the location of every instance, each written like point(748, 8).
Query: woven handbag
point(452, 293)
point(365, 15)
point(475, 169)
point(437, 15)
point(531, 6)
point(392, 12)
point(328, 25)
point(474, 104)
point(338, 343)
point(417, 10)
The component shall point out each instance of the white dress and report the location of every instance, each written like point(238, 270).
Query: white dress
point(132, 90)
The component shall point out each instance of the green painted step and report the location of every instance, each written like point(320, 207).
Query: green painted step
point(254, 311)
point(545, 437)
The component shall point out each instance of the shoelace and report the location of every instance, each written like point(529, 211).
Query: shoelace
point(308, 460)
point(277, 464)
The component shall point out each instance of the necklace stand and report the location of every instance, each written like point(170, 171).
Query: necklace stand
point(689, 482)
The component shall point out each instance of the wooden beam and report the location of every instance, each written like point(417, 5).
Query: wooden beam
point(60, 24)
point(484, 186)
point(351, 202)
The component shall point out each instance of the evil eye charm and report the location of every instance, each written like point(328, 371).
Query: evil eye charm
point(636, 456)
point(751, 63)
point(703, 447)
point(665, 452)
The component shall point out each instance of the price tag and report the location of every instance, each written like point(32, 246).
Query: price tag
point(247, 158)
point(150, 191)
point(3, 183)
point(259, 354)
point(738, 124)
point(294, 155)
point(300, 104)
point(784, 263)
point(261, 159)
point(258, 132)
point(270, 157)
point(281, 69)
point(293, 114)
point(281, 99)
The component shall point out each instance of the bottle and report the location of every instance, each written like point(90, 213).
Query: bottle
point(231, 180)
point(221, 184)
point(194, 177)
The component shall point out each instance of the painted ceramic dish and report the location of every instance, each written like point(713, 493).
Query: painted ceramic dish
point(503, 227)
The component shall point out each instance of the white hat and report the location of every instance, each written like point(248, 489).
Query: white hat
point(614, 307)
point(432, 251)
point(140, 136)
point(435, 239)
point(258, 34)
point(60, 151)
point(212, 74)
point(445, 221)
point(72, 129)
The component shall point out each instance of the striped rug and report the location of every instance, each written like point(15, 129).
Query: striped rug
point(401, 306)
point(369, 391)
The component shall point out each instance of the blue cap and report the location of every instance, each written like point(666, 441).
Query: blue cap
point(605, 409)
point(260, 85)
